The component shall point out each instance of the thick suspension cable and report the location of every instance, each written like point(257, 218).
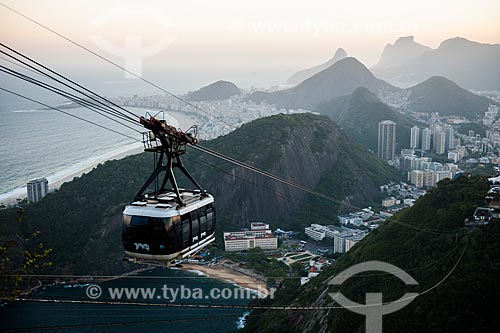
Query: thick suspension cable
point(115, 324)
point(116, 65)
point(95, 95)
point(76, 99)
point(221, 156)
point(308, 190)
point(69, 114)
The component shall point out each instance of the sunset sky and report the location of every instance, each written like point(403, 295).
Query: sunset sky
point(235, 38)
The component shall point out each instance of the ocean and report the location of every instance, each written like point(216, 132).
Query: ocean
point(39, 143)
point(29, 314)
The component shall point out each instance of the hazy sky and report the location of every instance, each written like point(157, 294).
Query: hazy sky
point(251, 42)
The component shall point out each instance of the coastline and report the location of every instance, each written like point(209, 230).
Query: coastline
point(76, 170)
point(56, 179)
point(220, 272)
point(214, 271)
point(85, 279)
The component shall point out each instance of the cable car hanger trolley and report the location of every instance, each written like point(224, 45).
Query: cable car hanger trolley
point(173, 223)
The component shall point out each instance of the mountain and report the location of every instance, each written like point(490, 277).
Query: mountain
point(82, 220)
point(470, 64)
point(358, 115)
point(452, 264)
point(307, 73)
point(404, 50)
point(216, 91)
point(304, 148)
point(340, 79)
point(438, 94)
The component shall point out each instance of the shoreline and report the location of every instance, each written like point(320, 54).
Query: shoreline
point(85, 279)
point(224, 273)
point(57, 178)
point(214, 271)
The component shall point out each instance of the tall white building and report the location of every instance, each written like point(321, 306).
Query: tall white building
point(37, 189)
point(414, 137)
point(439, 142)
point(426, 139)
point(386, 139)
point(450, 136)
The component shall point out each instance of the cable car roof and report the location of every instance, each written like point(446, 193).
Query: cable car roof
point(166, 205)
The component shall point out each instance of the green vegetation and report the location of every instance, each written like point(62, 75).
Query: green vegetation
point(340, 79)
point(358, 115)
point(476, 127)
point(20, 256)
point(82, 220)
point(256, 260)
point(216, 91)
point(427, 250)
point(441, 95)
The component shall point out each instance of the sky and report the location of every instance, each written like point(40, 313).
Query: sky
point(189, 43)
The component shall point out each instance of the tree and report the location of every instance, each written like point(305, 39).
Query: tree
point(20, 257)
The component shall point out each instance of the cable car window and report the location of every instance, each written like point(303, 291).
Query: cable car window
point(139, 220)
point(186, 230)
point(177, 232)
point(195, 225)
point(169, 229)
point(203, 220)
point(210, 219)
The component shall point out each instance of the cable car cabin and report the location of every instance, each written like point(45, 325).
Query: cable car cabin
point(162, 230)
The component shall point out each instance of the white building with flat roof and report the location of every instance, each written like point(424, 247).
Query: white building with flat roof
point(343, 238)
point(259, 235)
point(316, 232)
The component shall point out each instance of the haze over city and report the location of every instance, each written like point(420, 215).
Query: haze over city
point(250, 43)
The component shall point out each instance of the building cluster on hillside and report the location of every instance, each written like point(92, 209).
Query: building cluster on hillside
point(365, 217)
point(440, 138)
point(436, 138)
point(343, 238)
point(259, 235)
point(233, 112)
point(399, 195)
point(314, 267)
point(422, 171)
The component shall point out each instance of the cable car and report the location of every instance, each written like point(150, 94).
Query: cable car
point(167, 223)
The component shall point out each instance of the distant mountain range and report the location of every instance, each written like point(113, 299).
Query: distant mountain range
point(358, 115)
point(307, 73)
point(216, 91)
point(404, 50)
point(340, 79)
point(470, 64)
point(439, 94)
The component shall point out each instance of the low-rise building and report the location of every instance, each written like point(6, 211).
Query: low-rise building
point(350, 219)
point(259, 235)
point(316, 232)
point(388, 202)
point(343, 238)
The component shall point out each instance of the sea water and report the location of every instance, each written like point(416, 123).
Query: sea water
point(183, 319)
point(38, 143)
